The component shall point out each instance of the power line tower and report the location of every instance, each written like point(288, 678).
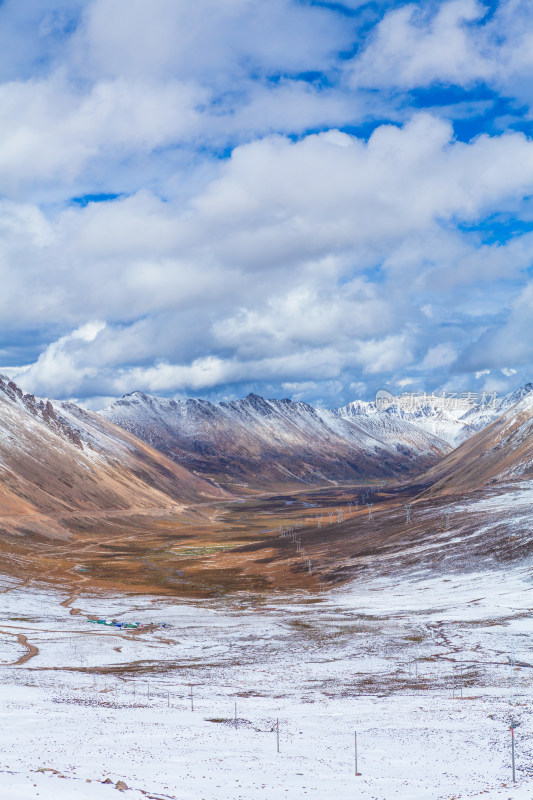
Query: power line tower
point(408, 513)
point(370, 506)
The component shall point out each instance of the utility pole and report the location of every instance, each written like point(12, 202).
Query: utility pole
point(512, 663)
point(513, 726)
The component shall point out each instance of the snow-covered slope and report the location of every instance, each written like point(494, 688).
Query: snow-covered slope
point(453, 419)
point(266, 442)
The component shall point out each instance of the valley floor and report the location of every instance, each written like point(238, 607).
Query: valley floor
point(85, 706)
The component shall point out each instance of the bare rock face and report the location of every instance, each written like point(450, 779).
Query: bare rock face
point(263, 443)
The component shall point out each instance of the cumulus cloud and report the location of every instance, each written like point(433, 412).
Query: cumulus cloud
point(417, 45)
point(117, 82)
point(49, 131)
point(59, 365)
point(456, 43)
point(70, 368)
point(234, 201)
point(347, 189)
point(263, 262)
point(439, 356)
point(205, 39)
point(506, 345)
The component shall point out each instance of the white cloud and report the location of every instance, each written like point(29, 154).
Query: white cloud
point(50, 131)
point(308, 315)
point(243, 248)
point(58, 367)
point(326, 193)
point(205, 39)
point(439, 356)
point(453, 43)
point(415, 46)
point(384, 355)
point(260, 268)
point(506, 345)
point(103, 103)
point(89, 331)
point(72, 366)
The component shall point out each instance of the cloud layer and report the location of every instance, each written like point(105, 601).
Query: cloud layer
point(206, 198)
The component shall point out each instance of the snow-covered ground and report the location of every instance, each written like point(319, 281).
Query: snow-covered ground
point(380, 657)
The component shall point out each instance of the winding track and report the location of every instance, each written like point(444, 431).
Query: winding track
point(31, 649)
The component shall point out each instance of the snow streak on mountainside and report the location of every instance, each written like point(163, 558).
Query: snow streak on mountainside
point(262, 443)
point(60, 459)
point(450, 418)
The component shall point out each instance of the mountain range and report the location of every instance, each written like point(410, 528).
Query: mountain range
point(500, 453)
point(451, 418)
point(258, 443)
point(146, 452)
point(167, 495)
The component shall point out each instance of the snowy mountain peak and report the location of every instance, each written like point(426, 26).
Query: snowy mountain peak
point(263, 441)
point(453, 417)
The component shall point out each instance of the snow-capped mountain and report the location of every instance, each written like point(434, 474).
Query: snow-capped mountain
point(57, 459)
point(452, 418)
point(501, 452)
point(261, 443)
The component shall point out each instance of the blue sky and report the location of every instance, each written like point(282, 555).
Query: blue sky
point(304, 199)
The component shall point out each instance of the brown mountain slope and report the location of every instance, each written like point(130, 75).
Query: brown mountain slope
point(500, 453)
point(56, 459)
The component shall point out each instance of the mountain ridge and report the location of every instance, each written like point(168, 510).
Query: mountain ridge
point(257, 442)
point(450, 418)
point(261, 441)
point(59, 459)
point(501, 453)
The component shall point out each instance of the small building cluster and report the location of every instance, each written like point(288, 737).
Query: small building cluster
point(114, 623)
